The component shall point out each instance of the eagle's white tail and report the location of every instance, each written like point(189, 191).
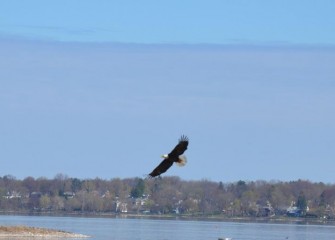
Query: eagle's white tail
point(182, 161)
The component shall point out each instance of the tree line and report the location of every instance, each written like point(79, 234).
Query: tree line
point(167, 195)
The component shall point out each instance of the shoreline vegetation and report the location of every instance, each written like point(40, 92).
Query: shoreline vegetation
point(166, 198)
point(19, 232)
point(169, 197)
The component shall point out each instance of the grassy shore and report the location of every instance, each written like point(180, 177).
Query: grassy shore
point(18, 232)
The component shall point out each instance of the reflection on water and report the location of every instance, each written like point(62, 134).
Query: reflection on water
point(148, 229)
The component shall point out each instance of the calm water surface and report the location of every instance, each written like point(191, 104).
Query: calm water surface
point(146, 229)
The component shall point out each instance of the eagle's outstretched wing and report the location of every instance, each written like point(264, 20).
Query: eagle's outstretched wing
point(161, 168)
point(180, 148)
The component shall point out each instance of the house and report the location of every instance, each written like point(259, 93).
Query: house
point(68, 195)
point(13, 194)
point(294, 212)
point(121, 207)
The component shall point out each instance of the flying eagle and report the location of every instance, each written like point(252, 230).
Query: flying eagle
point(174, 156)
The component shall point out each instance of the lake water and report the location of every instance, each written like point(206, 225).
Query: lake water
point(147, 229)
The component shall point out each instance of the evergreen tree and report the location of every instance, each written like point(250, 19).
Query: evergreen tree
point(138, 190)
point(302, 202)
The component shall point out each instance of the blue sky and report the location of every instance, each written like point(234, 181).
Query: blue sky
point(189, 21)
point(103, 89)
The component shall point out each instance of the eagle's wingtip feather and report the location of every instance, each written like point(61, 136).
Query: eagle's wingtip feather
point(183, 138)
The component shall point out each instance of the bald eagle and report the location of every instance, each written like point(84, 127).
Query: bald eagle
point(174, 156)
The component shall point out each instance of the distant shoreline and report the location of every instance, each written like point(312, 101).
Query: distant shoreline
point(215, 218)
